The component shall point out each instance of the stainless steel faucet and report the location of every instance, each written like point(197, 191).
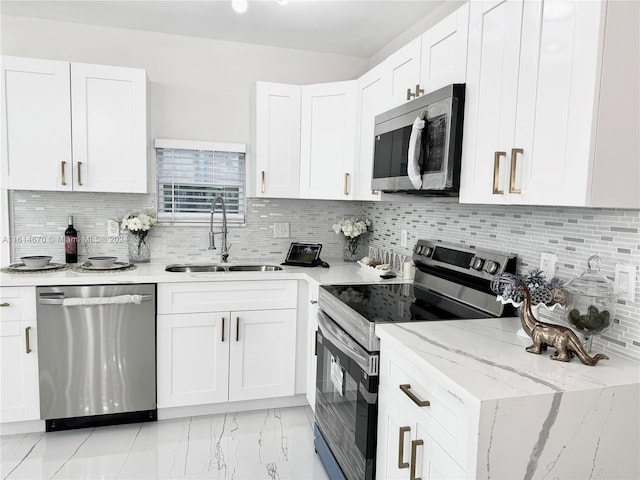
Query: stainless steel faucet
point(212, 234)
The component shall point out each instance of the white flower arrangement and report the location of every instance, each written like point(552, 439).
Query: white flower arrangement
point(352, 227)
point(138, 222)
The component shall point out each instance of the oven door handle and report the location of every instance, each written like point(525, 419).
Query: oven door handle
point(343, 342)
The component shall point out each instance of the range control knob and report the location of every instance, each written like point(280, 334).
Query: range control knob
point(491, 267)
point(427, 251)
point(477, 263)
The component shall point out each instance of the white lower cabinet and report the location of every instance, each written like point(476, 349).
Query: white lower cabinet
point(207, 357)
point(193, 359)
point(422, 426)
point(19, 388)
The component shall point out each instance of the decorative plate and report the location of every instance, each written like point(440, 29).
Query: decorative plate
point(115, 266)
point(21, 267)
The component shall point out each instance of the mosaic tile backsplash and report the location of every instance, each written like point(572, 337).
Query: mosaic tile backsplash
point(573, 234)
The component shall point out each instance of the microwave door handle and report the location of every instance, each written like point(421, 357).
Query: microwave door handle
point(415, 141)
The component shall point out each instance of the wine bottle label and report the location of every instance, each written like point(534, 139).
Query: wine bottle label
point(70, 244)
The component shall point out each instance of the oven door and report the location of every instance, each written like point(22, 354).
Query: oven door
point(347, 399)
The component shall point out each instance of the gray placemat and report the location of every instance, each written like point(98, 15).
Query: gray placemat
point(62, 267)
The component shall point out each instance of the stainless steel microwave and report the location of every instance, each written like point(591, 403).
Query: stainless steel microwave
point(418, 144)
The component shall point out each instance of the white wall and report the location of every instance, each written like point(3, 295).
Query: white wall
point(199, 88)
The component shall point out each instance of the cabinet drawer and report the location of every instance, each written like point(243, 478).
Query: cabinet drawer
point(18, 303)
point(224, 296)
point(445, 418)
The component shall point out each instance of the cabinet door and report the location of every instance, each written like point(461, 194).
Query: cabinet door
point(263, 354)
point(374, 97)
point(403, 68)
point(193, 359)
point(490, 103)
point(109, 111)
point(328, 140)
point(558, 81)
point(276, 153)
point(444, 51)
point(36, 119)
point(19, 390)
point(396, 429)
point(431, 461)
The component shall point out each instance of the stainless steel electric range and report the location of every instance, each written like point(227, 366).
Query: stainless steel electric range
point(451, 283)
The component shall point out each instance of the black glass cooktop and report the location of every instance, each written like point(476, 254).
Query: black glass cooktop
point(401, 302)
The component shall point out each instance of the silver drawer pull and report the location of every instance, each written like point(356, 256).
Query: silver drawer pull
point(406, 388)
point(5, 304)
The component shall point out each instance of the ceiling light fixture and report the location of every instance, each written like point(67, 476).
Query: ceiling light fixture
point(239, 6)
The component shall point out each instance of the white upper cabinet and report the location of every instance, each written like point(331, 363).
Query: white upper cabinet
point(435, 59)
point(328, 140)
point(36, 118)
point(72, 126)
point(109, 128)
point(547, 120)
point(403, 69)
point(275, 156)
point(444, 51)
point(373, 99)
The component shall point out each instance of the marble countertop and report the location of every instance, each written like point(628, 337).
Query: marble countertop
point(339, 272)
point(487, 359)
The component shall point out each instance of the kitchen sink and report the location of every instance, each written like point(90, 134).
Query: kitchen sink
point(254, 268)
point(194, 267)
point(210, 268)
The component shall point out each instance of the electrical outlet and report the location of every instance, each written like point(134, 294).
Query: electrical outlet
point(403, 238)
point(113, 228)
point(280, 230)
point(548, 264)
point(625, 280)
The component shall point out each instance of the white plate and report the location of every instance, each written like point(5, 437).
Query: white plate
point(21, 267)
point(115, 266)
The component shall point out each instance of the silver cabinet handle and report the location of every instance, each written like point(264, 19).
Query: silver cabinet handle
point(237, 329)
point(512, 180)
point(222, 329)
point(263, 182)
point(414, 448)
point(80, 173)
point(27, 339)
point(401, 463)
point(346, 184)
point(5, 304)
point(313, 302)
point(406, 389)
point(496, 172)
point(62, 169)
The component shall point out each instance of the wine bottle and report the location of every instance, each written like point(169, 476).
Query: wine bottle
point(71, 243)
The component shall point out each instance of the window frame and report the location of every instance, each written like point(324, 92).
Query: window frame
point(199, 219)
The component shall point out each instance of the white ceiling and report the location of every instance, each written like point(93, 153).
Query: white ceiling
point(348, 27)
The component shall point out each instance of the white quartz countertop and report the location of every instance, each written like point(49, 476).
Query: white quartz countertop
point(338, 272)
point(487, 359)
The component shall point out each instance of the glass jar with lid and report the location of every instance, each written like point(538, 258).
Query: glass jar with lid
point(591, 302)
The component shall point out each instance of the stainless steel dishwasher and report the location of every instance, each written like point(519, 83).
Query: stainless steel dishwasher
point(97, 355)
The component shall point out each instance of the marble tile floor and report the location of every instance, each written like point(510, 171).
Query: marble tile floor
point(263, 444)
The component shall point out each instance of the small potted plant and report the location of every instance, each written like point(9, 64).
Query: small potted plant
point(138, 225)
point(352, 229)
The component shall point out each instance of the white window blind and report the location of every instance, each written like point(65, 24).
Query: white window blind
point(191, 174)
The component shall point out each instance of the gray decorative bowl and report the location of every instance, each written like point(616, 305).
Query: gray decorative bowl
point(102, 262)
point(36, 261)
